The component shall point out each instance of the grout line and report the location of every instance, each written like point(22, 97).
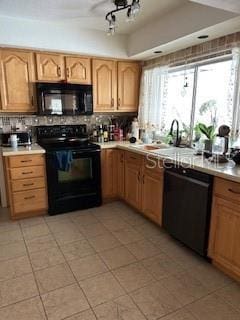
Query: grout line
point(111, 271)
point(28, 254)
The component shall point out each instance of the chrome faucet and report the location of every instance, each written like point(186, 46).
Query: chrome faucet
point(177, 140)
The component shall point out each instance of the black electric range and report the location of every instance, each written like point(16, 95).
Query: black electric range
point(73, 168)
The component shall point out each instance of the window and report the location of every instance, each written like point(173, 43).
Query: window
point(179, 99)
point(191, 94)
point(213, 97)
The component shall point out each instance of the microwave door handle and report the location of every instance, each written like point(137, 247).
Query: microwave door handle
point(43, 102)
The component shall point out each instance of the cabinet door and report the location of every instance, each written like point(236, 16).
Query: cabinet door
point(109, 173)
point(104, 85)
point(133, 185)
point(78, 70)
point(16, 76)
point(224, 235)
point(152, 192)
point(50, 67)
point(128, 86)
point(120, 174)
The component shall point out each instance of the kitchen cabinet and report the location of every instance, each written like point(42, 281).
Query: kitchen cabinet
point(50, 67)
point(133, 182)
point(104, 85)
point(128, 86)
point(144, 186)
point(109, 173)
point(120, 174)
point(16, 81)
point(78, 70)
point(152, 192)
point(116, 86)
point(26, 181)
point(224, 240)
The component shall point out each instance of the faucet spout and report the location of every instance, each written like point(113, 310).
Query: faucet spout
point(177, 140)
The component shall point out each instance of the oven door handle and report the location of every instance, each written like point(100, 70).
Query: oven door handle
point(80, 152)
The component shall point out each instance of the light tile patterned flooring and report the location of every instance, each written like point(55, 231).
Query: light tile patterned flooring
point(106, 263)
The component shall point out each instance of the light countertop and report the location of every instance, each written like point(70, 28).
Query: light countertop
point(181, 156)
point(33, 149)
point(184, 157)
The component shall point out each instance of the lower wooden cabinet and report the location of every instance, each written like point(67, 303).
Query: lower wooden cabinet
point(133, 186)
point(109, 173)
point(26, 180)
point(224, 248)
point(120, 174)
point(152, 194)
point(144, 186)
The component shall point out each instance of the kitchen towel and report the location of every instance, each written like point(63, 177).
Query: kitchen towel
point(64, 160)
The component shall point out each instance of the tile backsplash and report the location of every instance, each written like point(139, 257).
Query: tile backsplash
point(27, 122)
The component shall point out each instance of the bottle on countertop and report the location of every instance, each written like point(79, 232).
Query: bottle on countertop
point(135, 128)
point(100, 135)
point(95, 134)
point(105, 134)
point(111, 132)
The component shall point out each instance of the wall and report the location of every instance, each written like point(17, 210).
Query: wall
point(205, 49)
point(65, 36)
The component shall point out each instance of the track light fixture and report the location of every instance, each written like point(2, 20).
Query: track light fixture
point(132, 11)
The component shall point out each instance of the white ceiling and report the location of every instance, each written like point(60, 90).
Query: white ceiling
point(90, 14)
point(228, 5)
point(78, 26)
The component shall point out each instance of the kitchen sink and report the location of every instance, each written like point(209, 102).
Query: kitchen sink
point(150, 147)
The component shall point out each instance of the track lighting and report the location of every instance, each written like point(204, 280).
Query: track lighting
point(132, 11)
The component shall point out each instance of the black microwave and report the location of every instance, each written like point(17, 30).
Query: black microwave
point(64, 99)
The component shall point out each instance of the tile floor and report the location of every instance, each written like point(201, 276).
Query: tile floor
point(106, 263)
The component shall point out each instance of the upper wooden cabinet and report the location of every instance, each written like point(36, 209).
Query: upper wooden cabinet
point(16, 76)
point(116, 86)
point(104, 85)
point(78, 70)
point(50, 67)
point(128, 86)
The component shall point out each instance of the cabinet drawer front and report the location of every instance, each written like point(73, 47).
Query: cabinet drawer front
point(133, 158)
point(227, 189)
point(26, 160)
point(28, 184)
point(28, 172)
point(153, 166)
point(25, 201)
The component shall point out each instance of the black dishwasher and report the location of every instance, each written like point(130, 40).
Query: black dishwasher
point(187, 206)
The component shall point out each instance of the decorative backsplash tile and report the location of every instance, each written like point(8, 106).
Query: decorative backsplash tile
point(28, 122)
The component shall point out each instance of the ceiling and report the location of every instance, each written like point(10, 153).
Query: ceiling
point(90, 14)
point(229, 5)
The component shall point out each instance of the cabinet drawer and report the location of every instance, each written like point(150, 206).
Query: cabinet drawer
point(25, 201)
point(133, 158)
point(153, 165)
point(27, 172)
point(227, 189)
point(26, 160)
point(28, 184)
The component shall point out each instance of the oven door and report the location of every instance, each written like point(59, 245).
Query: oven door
point(77, 188)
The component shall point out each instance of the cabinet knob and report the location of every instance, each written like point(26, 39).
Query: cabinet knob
point(119, 102)
point(59, 71)
point(112, 102)
point(68, 72)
